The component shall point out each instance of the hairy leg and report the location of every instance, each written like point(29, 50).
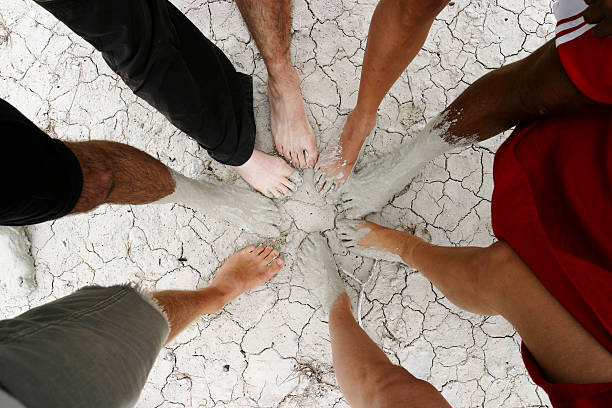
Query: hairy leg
point(269, 22)
point(365, 375)
point(121, 174)
point(532, 88)
point(397, 32)
point(246, 269)
point(118, 173)
point(494, 280)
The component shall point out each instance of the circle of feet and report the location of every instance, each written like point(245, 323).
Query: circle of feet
point(271, 346)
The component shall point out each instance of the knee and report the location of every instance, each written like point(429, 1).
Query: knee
point(496, 271)
point(416, 11)
point(98, 177)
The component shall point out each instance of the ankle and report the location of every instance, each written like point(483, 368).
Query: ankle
point(409, 247)
point(364, 115)
point(280, 68)
point(358, 126)
point(214, 299)
point(341, 304)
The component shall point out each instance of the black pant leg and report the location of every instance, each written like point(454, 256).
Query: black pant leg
point(40, 177)
point(169, 63)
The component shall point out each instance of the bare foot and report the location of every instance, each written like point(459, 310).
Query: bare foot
point(250, 267)
point(336, 162)
point(269, 175)
point(322, 280)
point(292, 133)
point(375, 241)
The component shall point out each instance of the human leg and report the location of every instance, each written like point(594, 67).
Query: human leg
point(453, 270)
point(250, 267)
point(92, 348)
point(494, 280)
point(199, 92)
point(366, 376)
point(397, 32)
point(60, 178)
point(532, 88)
point(96, 346)
point(120, 174)
point(269, 22)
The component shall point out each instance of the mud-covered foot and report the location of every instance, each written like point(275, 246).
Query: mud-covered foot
point(368, 191)
point(375, 184)
point(269, 175)
point(250, 267)
point(336, 162)
point(316, 261)
point(239, 206)
point(292, 133)
point(375, 241)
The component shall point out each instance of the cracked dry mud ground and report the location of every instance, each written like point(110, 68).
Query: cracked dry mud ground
point(270, 348)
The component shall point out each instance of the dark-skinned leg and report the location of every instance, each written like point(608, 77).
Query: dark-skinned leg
point(532, 88)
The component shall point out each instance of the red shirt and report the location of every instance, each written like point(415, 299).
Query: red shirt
point(552, 200)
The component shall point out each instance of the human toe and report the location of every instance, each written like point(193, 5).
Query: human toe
point(275, 267)
point(257, 251)
point(288, 184)
point(311, 155)
point(263, 254)
point(301, 157)
point(273, 254)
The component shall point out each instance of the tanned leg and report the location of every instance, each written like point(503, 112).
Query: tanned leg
point(118, 173)
point(365, 375)
point(494, 280)
point(246, 269)
point(121, 174)
point(269, 22)
point(397, 32)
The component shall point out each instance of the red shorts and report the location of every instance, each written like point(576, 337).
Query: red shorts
point(552, 203)
point(552, 200)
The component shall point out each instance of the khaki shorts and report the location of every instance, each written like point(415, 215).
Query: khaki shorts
point(93, 348)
